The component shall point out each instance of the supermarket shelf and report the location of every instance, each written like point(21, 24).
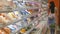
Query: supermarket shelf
point(6, 9)
point(32, 27)
point(29, 30)
point(18, 20)
point(24, 26)
point(41, 29)
point(11, 23)
point(32, 0)
point(29, 0)
point(38, 31)
point(36, 19)
point(32, 14)
point(25, 7)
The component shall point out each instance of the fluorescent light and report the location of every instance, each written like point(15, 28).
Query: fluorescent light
point(9, 0)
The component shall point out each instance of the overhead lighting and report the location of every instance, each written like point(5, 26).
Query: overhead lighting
point(9, 0)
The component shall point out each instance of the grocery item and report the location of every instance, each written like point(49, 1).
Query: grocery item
point(4, 19)
point(43, 2)
point(3, 32)
point(28, 4)
point(28, 28)
point(19, 25)
point(34, 31)
point(32, 17)
point(12, 28)
point(7, 30)
point(31, 11)
point(22, 30)
point(16, 13)
point(15, 26)
point(12, 16)
point(28, 20)
point(1, 5)
point(31, 4)
point(24, 12)
point(4, 4)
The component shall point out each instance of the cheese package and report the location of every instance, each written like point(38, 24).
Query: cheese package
point(16, 13)
point(12, 16)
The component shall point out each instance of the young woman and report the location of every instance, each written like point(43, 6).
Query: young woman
point(52, 10)
point(51, 18)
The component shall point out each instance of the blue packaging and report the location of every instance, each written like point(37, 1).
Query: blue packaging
point(23, 12)
point(12, 28)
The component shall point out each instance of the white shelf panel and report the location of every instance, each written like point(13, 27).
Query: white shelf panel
point(10, 23)
point(32, 0)
point(5, 11)
point(25, 7)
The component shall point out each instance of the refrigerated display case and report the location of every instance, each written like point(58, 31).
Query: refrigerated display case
point(26, 16)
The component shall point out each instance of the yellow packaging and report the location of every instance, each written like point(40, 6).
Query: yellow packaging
point(23, 30)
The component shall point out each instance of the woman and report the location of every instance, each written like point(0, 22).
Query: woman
point(52, 10)
point(51, 17)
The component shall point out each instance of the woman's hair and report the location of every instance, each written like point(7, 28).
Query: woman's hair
point(52, 7)
point(52, 4)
